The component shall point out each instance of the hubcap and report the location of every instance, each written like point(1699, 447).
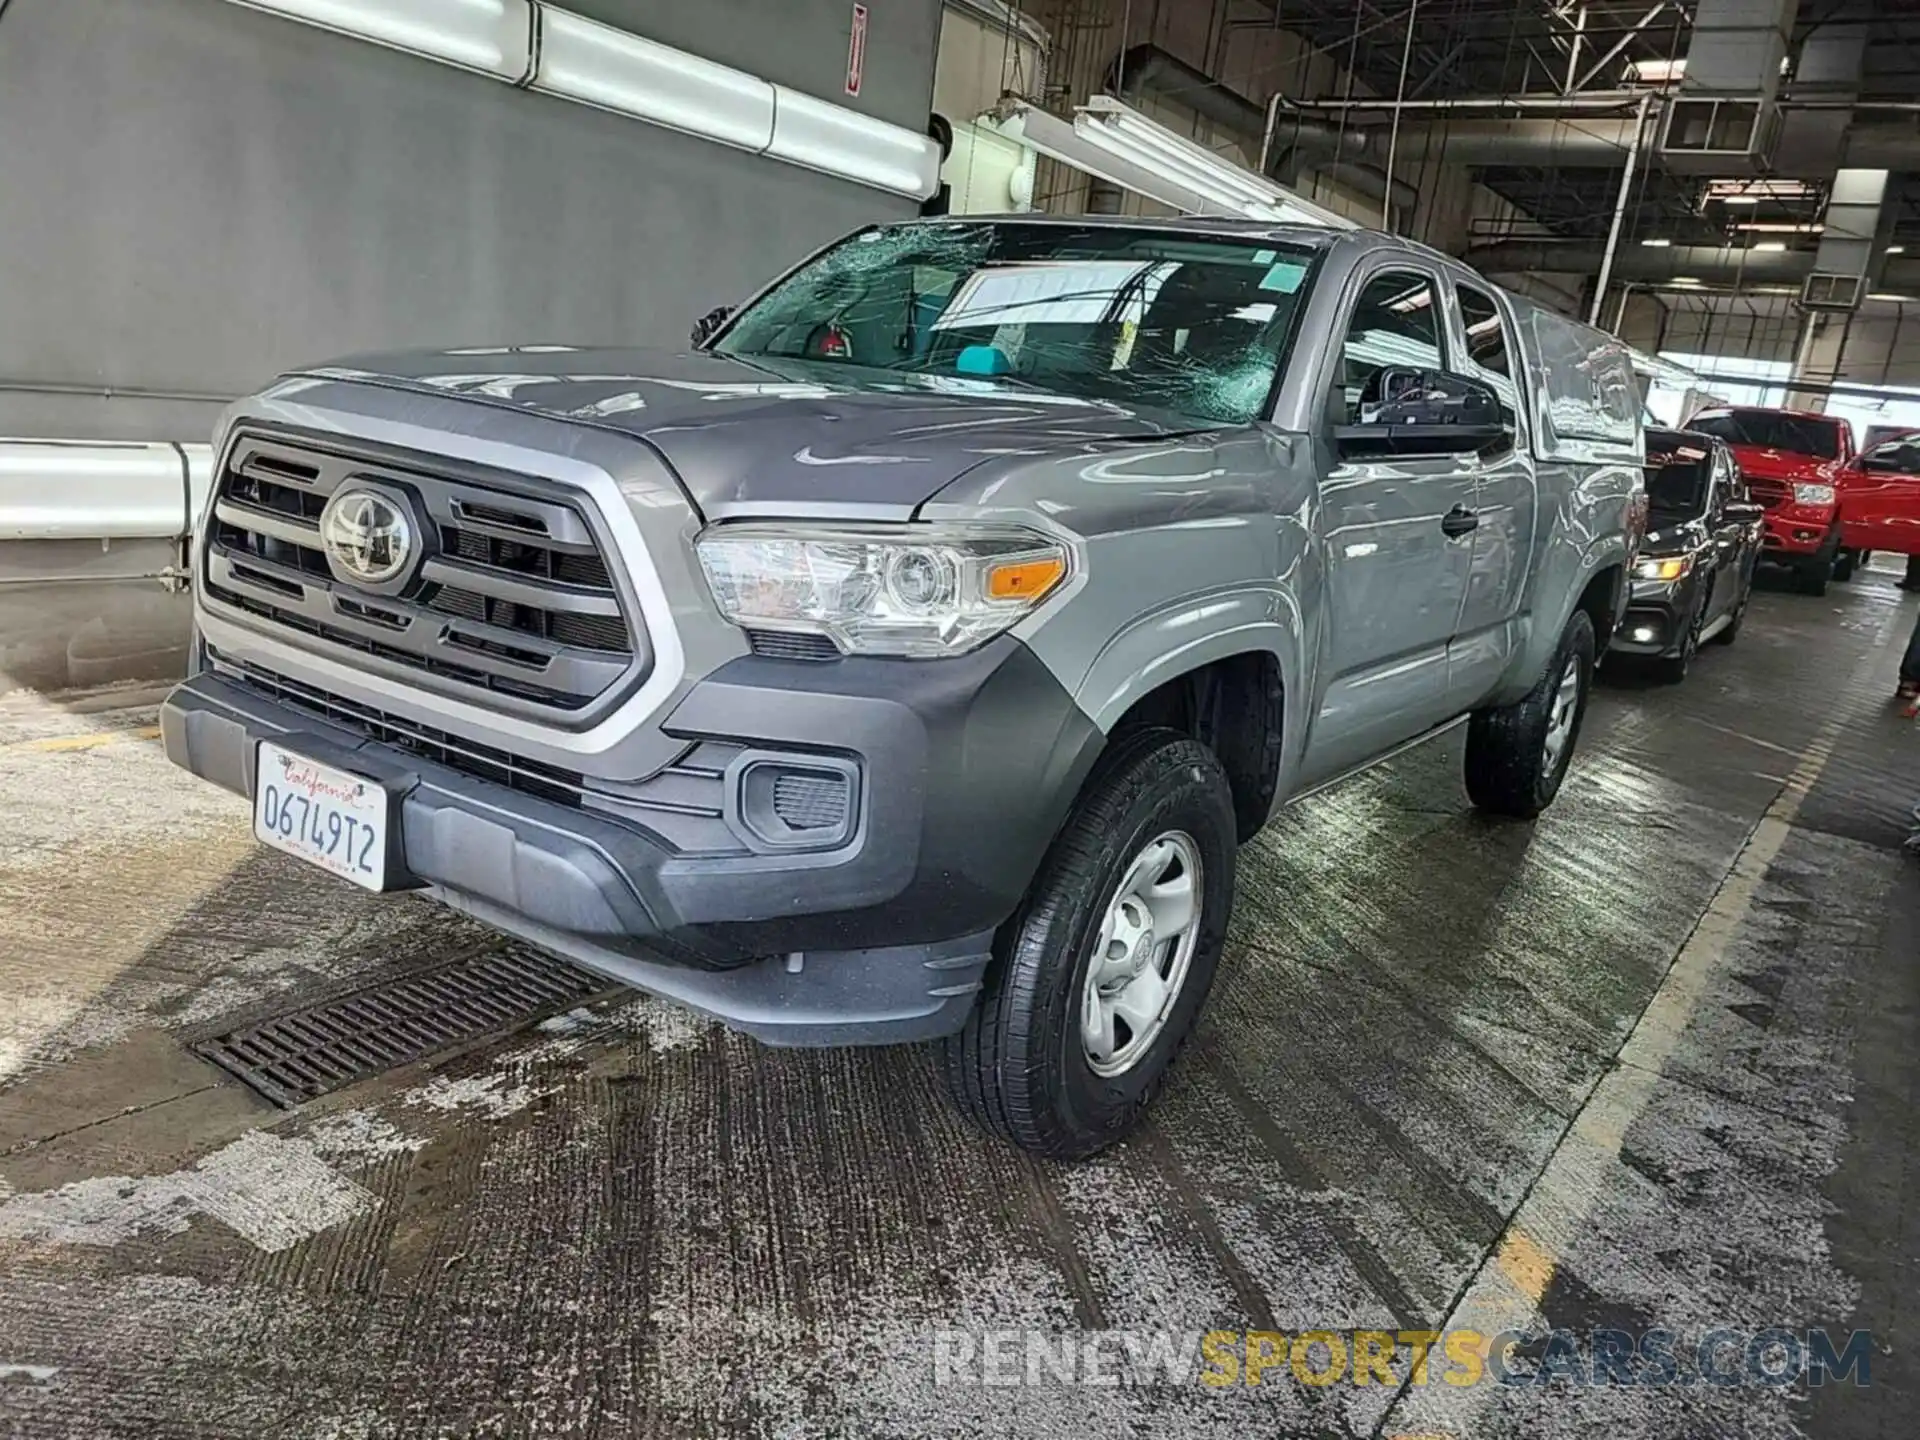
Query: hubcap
point(1566, 710)
point(1141, 954)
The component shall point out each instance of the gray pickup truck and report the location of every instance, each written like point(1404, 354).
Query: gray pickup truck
point(906, 661)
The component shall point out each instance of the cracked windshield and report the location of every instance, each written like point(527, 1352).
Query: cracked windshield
point(1188, 325)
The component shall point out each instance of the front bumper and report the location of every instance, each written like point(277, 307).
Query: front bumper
point(1798, 532)
point(959, 772)
point(1655, 623)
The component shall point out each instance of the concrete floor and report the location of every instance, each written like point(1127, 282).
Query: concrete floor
point(1651, 1061)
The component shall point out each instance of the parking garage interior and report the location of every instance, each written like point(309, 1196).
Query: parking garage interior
point(280, 1156)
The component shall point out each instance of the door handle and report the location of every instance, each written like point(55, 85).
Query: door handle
point(1459, 521)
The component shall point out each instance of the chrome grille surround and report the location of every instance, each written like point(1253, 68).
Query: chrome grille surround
point(512, 603)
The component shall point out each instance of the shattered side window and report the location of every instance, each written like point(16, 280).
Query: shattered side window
point(1182, 323)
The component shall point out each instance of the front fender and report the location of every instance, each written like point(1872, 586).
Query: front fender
point(1182, 636)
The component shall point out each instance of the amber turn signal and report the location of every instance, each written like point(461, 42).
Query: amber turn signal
point(1025, 579)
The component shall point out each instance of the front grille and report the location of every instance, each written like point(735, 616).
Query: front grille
point(513, 596)
point(1768, 493)
point(683, 803)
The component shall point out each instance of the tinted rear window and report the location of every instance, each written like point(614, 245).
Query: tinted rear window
point(1771, 430)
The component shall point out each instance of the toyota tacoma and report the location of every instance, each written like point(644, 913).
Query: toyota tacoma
point(906, 661)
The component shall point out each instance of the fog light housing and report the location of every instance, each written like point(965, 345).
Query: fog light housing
point(792, 802)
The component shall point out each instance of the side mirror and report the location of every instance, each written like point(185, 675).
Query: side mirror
point(1424, 412)
point(708, 325)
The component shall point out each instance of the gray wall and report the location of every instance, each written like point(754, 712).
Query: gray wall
point(194, 196)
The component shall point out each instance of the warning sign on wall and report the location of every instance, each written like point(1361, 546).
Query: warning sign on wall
point(857, 50)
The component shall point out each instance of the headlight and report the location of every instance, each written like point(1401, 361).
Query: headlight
point(1665, 567)
point(910, 590)
point(1813, 494)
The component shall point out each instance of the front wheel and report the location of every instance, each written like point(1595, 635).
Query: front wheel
point(1731, 631)
point(1844, 564)
point(1098, 977)
point(1810, 575)
point(1674, 668)
point(1518, 754)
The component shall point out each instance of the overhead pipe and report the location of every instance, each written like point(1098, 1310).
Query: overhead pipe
point(1619, 212)
point(1643, 265)
point(1555, 132)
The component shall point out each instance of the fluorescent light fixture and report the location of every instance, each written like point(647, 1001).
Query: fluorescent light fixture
point(1655, 72)
point(1686, 280)
point(1150, 160)
point(838, 141)
point(1740, 190)
point(1126, 135)
point(583, 60)
point(1771, 245)
point(1053, 137)
point(494, 37)
point(1777, 227)
point(1657, 244)
point(1896, 250)
point(596, 64)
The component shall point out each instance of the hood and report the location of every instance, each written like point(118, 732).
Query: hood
point(755, 437)
point(1769, 464)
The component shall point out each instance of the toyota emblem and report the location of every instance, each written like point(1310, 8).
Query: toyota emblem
point(368, 535)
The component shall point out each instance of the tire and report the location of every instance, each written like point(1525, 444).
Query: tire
point(1509, 771)
point(1021, 1066)
point(1731, 632)
point(1810, 577)
point(1672, 669)
point(1843, 566)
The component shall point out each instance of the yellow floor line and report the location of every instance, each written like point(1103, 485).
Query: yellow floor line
point(56, 744)
point(1506, 1294)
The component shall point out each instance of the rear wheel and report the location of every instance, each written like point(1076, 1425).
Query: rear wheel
point(1098, 977)
point(1518, 754)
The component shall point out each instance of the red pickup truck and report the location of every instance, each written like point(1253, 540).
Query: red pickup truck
point(1795, 463)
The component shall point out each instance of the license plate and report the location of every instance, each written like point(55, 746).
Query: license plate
point(335, 819)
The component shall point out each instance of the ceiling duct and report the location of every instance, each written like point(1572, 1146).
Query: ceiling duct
point(1579, 138)
point(1726, 117)
point(1844, 261)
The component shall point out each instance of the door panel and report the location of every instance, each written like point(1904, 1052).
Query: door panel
point(1506, 500)
point(1395, 585)
point(1395, 579)
point(1880, 509)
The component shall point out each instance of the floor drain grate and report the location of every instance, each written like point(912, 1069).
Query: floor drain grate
point(295, 1057)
